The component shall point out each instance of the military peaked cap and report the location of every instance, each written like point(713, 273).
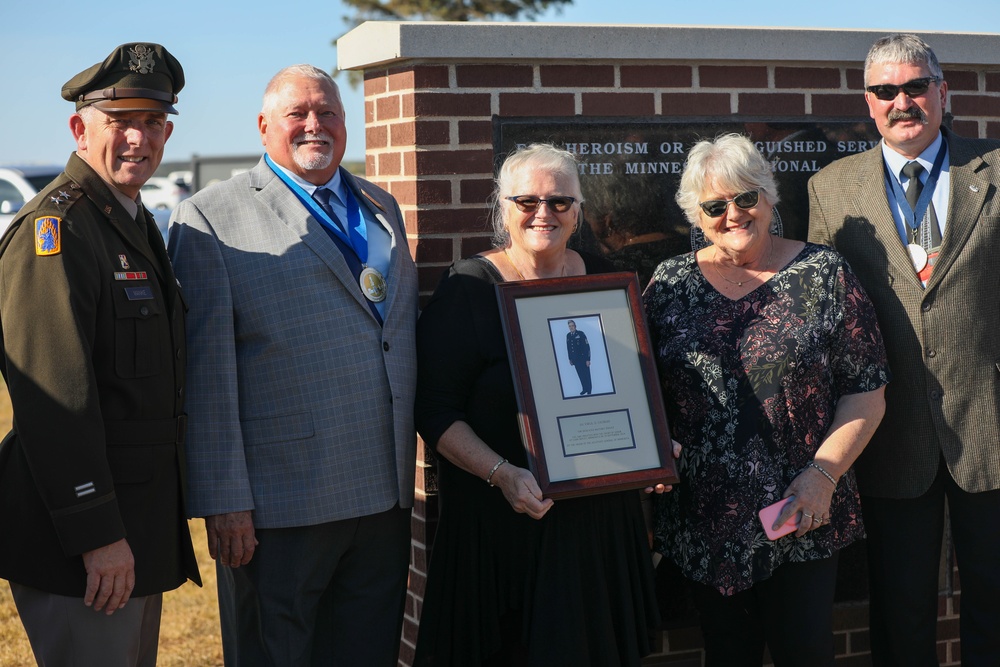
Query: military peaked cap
point(135, 77)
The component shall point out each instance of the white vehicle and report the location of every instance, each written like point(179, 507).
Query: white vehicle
point(163, 193)
point(185, 176)
point(18, 185)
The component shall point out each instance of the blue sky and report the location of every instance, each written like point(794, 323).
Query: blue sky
point(229, 50)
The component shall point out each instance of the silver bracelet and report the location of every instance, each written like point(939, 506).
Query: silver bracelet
point(495, 468)
point(813, 464)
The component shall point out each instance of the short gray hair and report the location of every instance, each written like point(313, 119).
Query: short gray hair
point(537, 157)
point(902, 48)
point(291, 72)
point(733, 162)
point(87, 113)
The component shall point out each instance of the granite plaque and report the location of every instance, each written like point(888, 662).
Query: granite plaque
point(630, 169)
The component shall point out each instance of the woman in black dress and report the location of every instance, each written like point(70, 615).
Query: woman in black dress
point(516, 579)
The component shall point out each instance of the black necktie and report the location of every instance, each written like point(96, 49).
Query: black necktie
point(912, 171)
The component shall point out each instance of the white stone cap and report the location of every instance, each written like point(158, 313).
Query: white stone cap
point(375, 43)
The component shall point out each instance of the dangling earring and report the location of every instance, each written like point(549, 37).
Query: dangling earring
point(776, 227)
point(698, 238)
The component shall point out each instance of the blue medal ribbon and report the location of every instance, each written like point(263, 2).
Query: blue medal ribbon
point(913, 218)
point(356, 225)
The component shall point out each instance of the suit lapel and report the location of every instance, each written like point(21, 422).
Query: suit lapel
point(965, 202)
point(162, 264)
point(872, 204)
point(128, 228)
point(274, 194)
point(136, 234)
point(379, 213)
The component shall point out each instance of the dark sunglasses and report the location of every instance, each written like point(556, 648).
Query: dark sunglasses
point(529, 204)
point(715, 208)
point(887, 92)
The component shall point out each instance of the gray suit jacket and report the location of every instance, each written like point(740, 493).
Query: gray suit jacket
point(300, 405)
point(943, 341)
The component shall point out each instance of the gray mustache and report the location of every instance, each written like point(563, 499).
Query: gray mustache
point(913, 113)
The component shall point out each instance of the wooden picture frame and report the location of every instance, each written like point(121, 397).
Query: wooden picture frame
point(594, 431)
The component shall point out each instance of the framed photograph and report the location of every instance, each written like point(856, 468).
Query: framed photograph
point(589, 400)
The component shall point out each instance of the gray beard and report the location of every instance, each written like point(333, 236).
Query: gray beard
point(312, 163)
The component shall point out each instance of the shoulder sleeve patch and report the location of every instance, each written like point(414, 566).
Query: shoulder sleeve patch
point(48, 236)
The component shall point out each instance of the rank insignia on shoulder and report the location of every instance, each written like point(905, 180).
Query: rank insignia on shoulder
point(48, 236)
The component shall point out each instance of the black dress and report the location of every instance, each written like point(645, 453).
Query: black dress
point(580, 580)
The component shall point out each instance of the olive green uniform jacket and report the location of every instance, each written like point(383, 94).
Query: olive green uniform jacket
point(93, 356)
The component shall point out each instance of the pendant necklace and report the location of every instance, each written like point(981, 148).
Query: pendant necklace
point(739, 283)
point(510, 260)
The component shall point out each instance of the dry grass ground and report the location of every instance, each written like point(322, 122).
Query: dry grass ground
point(189, 631)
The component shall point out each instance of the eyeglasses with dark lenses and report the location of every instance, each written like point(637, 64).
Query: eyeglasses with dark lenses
point(715, 208)
point(529, 204)
point(887, 92)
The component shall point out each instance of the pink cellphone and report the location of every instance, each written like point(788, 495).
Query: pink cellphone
point(770, 513)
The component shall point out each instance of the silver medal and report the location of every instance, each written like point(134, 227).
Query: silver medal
point(918, 256)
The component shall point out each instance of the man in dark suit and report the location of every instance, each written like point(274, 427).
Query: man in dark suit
point(918, 218)
point(301, 447)
point(91, 511)
point(578, 350)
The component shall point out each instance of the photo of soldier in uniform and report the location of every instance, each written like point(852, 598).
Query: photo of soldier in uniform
point(581, 356)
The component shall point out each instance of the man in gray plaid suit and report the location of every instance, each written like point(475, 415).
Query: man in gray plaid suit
point(918, 218)
point(301, 376)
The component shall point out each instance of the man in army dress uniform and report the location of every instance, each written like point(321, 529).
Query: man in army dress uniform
point(578, 350)
point(92, 334)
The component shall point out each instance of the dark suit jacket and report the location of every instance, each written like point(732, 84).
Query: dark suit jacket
point(943, 341)
point(301, 405)
point(93, 346)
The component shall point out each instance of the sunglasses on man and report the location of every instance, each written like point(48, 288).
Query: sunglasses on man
point(716, 208)
point(530, 204)
point(887, 92)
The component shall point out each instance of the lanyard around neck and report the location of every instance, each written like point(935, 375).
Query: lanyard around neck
point(912, 218)
point(358, 237)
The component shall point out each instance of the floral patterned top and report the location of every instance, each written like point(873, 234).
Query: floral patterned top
point(750, 387)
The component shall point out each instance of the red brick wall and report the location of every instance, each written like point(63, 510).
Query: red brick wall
point(429, 142)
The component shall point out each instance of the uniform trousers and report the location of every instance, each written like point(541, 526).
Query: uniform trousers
point(583, 372)
point(330, 594)
point(64, 632)
point(904, 557)
point(791, 612)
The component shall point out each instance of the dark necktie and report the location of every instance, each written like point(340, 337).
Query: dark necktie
point(322, 197)
point(912, 171)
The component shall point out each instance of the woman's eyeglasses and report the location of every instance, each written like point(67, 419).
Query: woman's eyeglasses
point(715, 208)
point(887, 92)
point(529, 204)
